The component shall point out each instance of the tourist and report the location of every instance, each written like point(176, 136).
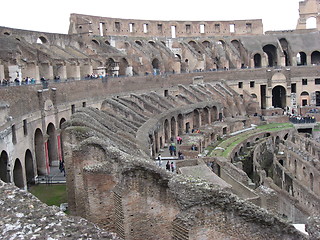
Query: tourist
point(171, 149)
point(159, 159)
point(172, 167)
point(168, 166)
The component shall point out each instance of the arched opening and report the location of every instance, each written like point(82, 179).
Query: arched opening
point(286, 51)
point(138, 42)
point(62, 120)
point(112, 67)
point(29, 168)
point(196, 119)
point(95, 42)
point(214, 114)
point(40, 152)
point(4, 168)
point(206, 44)
point(156, 66)
point(253, 95)
point(42, 40)
point(311, 181)
point(180, 124)
point(301, 59)
point(152, 43)
point(304, 97)
point(315, 58)
point(279, 97)
point(257, 60)
point(205, 116)
point(123, 67)
point(166, 131)
point(173, 127)
point(271, 52)
point(311, 23)
point(18, 174)
point(52, 145)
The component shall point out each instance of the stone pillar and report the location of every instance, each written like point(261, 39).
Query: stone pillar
point(73, 71)
point(30, 70)
point(2, 76)
point(46, 71)
point(60, 70)
point(269, 97)
point(85, 70)
point(14, 72)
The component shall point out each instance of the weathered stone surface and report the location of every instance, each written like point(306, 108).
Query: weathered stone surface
point(23, 216)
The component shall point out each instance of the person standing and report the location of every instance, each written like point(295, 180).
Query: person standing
point(159, 159)
point(168, 166)
point(172, 167)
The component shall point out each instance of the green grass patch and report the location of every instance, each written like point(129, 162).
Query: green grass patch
point(233, 141)
point(53, 194)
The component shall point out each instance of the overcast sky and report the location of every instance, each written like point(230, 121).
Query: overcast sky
point(53, 16)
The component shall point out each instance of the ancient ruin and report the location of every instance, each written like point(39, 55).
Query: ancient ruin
point(112, 94)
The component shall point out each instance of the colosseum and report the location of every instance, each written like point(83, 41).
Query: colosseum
point(112, 98)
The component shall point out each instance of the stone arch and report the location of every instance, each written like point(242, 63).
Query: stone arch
point(196, 119)
point(173, 127)
point(279, 97)
point(152, 43)
point(271, 52)
point(311, 181)
point(52, 145)
point(29, 168)
point(96, 42)
point(205, 116)
point(236, 45)
point(180, 124)
point(206, 44)
point(193, 44)
point(42, 40)
point(253, 95)
point(111, 67)
point(315, 58)
point(40, 152)
point(18, 174)
point(214, 114)
point(286, 51)
point(156, 66)
point(257, 60)
point(123, 67)
point(62, 120)
point(311, 22)
point(166, 131)
point(304, 98)
point(107, 42)
point(4, 167)
point(301, 59)
point(138, 42)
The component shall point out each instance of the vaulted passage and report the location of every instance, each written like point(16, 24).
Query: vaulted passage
point(271, 52)
point(39, 152)
point(29, 167)
point(279, 97)
point(4, 174)
point(18, 174)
